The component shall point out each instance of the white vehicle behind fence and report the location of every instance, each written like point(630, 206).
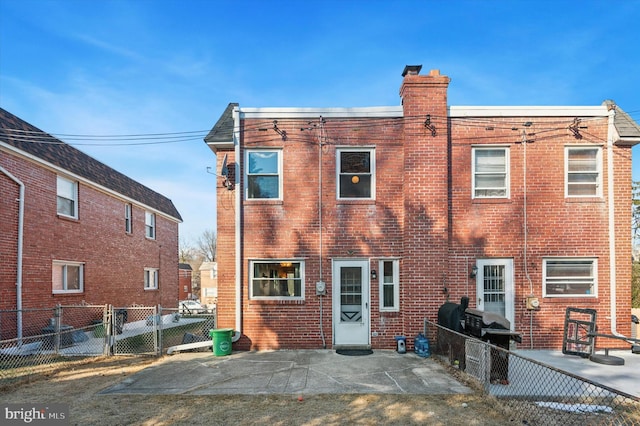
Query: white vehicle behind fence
point(187, 307)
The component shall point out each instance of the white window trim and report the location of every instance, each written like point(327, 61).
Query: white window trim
point(568, 148)
point(74, 215)
point(151, 272)
point(128, 218)
point(284, 298)
point(570, 259)
point(279, 152)
point(372, 167)
point(396, 285)
point(507, 182)
point(150, 226)
point(64, 264)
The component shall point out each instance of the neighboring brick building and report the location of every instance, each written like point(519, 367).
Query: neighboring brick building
point(185, 289)
point(399, 209)
point(209, 283)
point(89, 233)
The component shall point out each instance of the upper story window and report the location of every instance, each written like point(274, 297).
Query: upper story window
point(150, 225)
point(264, 174)
point(356, 173)
point(128, 225)
point(67, 191)
point(571, 277)
point(584, 171)
point(67, 277)
point(490, 172)
point(151, 278)
point(389, 285)
point(280, 280)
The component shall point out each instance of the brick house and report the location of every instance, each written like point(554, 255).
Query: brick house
point(348, 226)
point(185, 290)
point(209, 283)
point(74, 230)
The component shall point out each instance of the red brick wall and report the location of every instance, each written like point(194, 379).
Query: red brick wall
point(114, 261)
point(225, 246)
point(557, 226)
point(184, 284)
point(425, 215)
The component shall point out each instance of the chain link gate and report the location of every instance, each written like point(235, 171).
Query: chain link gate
point(134, 330)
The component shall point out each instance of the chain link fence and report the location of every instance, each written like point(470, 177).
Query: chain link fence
point(530, 391)
point(34, 340)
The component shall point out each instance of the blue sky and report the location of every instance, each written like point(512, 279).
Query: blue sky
point(124, 67)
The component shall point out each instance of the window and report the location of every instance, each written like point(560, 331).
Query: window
point(67, 277)
point(583, 166)
point(570, 277)
point(150, 225)
point(128, 228)
point(490, 172)
point(276, 280)
point(356, 173)
point(67, 191)
point(264, 174)
point(389, 285)
point(151, 278)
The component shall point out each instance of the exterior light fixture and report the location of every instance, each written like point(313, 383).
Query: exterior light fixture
point(374, 274)
point(474, 272)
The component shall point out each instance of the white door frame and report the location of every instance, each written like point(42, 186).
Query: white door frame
point(509, 285)
point(355, 331)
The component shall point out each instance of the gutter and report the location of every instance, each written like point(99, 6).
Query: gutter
point(611, 131)
point(20, 253)
point(238, 227)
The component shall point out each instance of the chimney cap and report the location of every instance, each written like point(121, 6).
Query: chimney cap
point(411, 70)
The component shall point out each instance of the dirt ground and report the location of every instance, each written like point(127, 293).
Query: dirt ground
point(79, 384)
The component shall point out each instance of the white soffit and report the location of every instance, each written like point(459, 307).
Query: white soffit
point(528, 111)
point(364, 112)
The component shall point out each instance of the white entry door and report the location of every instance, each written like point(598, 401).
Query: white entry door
point(351, 302)
point(495, 291)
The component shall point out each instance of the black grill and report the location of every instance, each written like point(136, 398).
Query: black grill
point(486, 326)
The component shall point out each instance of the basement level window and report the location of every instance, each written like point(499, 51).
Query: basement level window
point(276, 280)
point(67, 277)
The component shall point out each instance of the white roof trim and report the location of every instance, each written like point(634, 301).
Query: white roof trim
point(453, 111)
point(528, 111)
point(364, 112)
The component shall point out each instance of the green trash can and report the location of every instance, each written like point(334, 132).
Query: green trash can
point(221, 341)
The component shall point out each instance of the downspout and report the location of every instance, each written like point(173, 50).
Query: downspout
point(238, 226)
point(526, 232)
point(612, 225)
point(320, 145)
point(19, 262)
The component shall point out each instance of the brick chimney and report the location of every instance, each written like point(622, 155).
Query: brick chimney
point(426, 168)
point(424, 93)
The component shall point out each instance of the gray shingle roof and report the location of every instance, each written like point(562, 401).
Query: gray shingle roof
point(222, 131)
point(29, 139)
point(626, 127)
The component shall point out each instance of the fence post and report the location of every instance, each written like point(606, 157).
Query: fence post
point(109, 326)
point(158, 314)
point(57, 323)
